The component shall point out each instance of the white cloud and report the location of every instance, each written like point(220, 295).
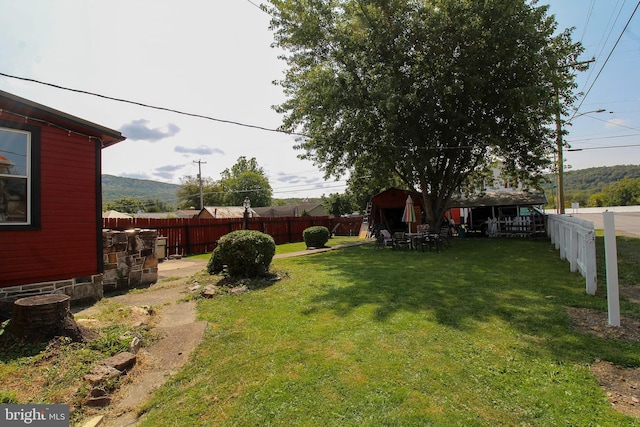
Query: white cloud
point(167, 172)
point(613, 123)
point(297, 179)
point(138, 130)
point(201, 150)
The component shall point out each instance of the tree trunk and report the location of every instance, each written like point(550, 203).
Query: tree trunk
point(42, 317)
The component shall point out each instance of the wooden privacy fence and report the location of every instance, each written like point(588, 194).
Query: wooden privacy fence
point(190, 236)
point(576, 240)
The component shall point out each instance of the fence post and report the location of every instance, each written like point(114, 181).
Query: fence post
point(188, 239)
point(561, 240)
point(611, 255)
point(573, 249)
point(590, 260)
point(551, 230)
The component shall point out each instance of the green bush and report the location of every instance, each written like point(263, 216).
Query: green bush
point(215, 264)
point(246, 253)
point(316, 236)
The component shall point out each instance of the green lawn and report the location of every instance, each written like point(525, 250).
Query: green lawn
point(475, 335)
point(300, 246)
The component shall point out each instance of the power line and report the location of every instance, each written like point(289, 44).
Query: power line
point(259, 7)
point(606, 60)
point(603, 41)
point(603, 148)
point(601, 137)
point(610, 123)
point(154, 107)
point(588, 19)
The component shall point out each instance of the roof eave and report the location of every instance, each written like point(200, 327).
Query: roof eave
point(29, 108)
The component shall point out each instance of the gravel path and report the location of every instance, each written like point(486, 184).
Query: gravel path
point(179, 333)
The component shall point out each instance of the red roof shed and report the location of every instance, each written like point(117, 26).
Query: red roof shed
point(387, 208)
point(50, 193)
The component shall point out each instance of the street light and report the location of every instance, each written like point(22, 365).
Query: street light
point(247, 205)
point(560, 201)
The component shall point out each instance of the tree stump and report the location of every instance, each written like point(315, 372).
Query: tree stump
point(42, 317)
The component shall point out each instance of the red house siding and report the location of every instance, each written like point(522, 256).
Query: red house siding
point(65, 245)
point(66, 242)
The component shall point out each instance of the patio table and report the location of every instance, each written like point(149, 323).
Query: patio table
point(414, 238)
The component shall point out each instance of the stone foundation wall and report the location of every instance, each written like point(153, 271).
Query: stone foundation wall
point(130, 258)
point(79, 289)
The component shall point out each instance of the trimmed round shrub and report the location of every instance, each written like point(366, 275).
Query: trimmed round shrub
point(246, 253)
point(316, 236)
point(215, 264)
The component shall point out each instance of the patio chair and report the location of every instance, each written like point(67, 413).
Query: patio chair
point(383, 239)
point(428, 241)
point(400, 241)
point(445, 236)
point(423, 228)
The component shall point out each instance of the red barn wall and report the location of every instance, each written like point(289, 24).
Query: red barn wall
point(396, 198)
point(66, 245)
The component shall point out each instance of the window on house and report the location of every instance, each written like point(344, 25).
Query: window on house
point(17, 198)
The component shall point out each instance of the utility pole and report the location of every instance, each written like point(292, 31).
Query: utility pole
point(560, 145)
point(560, 165)
point(199, 162)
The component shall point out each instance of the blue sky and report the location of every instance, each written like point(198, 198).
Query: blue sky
point(214, 58)
point(611, 83)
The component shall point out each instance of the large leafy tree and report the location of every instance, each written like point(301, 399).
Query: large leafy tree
point(429, 91)
point(126, 205)
point(339, 204)
point(625, 192)
point(246, 179)
point(189, 192)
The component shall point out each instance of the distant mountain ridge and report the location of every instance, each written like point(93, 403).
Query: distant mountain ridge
point(116, 187)
point(595, 179)
point(591, 180)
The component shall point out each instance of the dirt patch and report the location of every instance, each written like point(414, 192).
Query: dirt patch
point(622, 385)
point(595, 322)
point(632, 293)
point(172, 321)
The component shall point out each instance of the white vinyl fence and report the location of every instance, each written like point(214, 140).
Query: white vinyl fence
point(576, 240)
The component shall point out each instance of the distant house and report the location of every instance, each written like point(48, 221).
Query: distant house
point(225, 212)
point(508, 197)
point(50, 203)
point(187, 213)
point(155, 215)
point(115, 214)
point(499, 200)
point(311, 209)
point(184, 213)
point(478, 210)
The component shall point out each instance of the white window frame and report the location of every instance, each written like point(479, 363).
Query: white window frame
point(27, 177)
